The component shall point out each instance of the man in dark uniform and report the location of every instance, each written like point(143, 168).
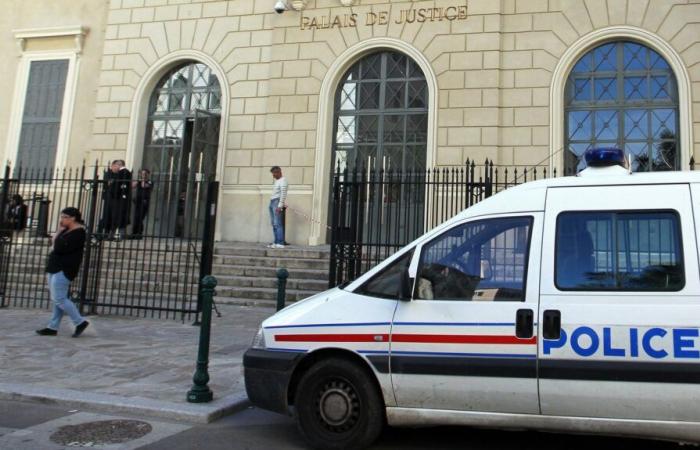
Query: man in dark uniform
point(144, 186)
point(103, 226)
point(117, 198)
point(17, 213)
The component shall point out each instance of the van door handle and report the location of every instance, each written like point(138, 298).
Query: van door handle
point(523, 323)
point(552, 324)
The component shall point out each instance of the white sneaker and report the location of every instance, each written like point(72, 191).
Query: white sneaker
point(277, 245)
point(271, 245)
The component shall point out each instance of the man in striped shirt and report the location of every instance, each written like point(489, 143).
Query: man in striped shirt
point(278, 201)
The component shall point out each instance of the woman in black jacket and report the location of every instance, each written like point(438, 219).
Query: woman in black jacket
point(62, 267)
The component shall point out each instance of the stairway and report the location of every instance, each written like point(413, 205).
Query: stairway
point(246, 272)
point(151, 274)
point(149, 277)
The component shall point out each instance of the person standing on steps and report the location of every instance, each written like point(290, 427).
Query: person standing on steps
point(17, 213)
point(62, 268)
point(143, 186)
point(120, 199)
point(278, 201)
point(116, 197)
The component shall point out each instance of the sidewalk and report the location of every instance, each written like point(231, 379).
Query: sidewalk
point(126, 364)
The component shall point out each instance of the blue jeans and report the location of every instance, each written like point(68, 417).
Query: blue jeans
point(58, 286)
point(276, 220)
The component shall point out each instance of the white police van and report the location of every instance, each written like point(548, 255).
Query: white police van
point(568, 304)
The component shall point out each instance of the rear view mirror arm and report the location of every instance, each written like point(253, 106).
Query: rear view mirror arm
point(413, 271)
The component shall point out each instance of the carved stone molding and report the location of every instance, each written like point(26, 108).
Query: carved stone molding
point(298, 5)
point(78, 32)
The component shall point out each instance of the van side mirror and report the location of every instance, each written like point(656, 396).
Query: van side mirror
point(413, 267)
point(412, 274)
point(485, 270)
point(406, 287)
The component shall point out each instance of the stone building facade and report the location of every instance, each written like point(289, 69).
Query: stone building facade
point(44, 31)
point(522, 82)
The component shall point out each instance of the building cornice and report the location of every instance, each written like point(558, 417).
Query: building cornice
point(78, 32)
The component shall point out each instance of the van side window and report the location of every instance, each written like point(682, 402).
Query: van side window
point(484, 260)
point(392, 282)
point(620, 251)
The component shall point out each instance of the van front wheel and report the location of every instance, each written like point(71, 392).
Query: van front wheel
point(338, 406)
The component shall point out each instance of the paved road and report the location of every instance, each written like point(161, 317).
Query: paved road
point(29, 426)
point(257, 429)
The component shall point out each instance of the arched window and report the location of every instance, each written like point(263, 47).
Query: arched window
point(380, 127)
point(623, 94)
point(181, 146)
point(381, 115)
point(184, 94)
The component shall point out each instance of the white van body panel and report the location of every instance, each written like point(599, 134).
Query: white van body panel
point(336, 315)
point(334, 319)
point(657, 429)
point(443, 319)
point(610, 328)
point(695, 205)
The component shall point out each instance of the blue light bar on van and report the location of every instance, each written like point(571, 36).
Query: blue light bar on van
point(604, 157)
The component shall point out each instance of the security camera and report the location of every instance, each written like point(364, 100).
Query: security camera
point(280, 6)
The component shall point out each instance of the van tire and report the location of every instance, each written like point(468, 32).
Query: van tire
point(338, 405)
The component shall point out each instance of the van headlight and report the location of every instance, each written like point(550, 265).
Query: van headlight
point(259, 339)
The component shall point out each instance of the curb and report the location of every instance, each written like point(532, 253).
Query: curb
point(114, 404)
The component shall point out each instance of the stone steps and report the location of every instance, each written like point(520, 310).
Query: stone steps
point(114, 288)
point(164, 271)
point(33, 263)
point(251, 302)
point(151, 246)
point(249, 296)
point(249, 288)
point(127, 259)
point(267, 272)
point(277, 262)
point(271, 282)
point(247, 273)
point(260, 293)
point(33, 274)
point(289, 252)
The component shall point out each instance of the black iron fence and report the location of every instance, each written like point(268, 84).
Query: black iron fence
point(149, 241)
point(374, 213)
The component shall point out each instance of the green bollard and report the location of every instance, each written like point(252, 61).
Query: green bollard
point(200, 392)
point(282, 275)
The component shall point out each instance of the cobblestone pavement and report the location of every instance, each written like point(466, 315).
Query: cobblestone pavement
point(125, 356)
